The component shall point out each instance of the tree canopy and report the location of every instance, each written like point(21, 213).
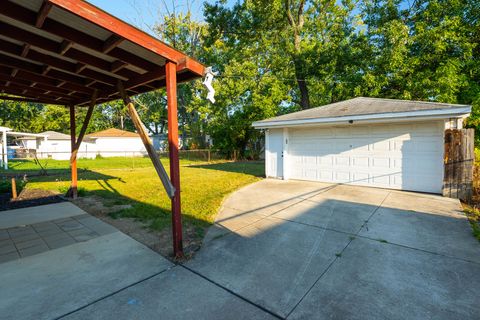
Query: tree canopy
point(278, 56)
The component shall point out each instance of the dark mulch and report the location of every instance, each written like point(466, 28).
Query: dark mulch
point(29, 198)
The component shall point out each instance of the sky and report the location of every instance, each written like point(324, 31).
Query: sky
point(144, 13)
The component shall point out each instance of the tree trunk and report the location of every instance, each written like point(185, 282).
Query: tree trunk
point(302, 84)
point(297, 24)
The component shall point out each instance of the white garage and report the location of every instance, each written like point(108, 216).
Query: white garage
point(383, 143)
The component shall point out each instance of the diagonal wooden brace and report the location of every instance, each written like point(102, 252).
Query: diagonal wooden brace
point(141, 130)
point(83, 130)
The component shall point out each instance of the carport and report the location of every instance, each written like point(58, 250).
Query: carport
point(71, 53)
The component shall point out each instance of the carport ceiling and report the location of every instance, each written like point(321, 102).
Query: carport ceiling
point(62, 51)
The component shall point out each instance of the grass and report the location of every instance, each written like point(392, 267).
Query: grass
point(473, 215)
point(86, 164)
point(116, 181)
point(477, 156)
point(472, 209)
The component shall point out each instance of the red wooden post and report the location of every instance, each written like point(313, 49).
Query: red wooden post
point(73, 160)
point(171, 81)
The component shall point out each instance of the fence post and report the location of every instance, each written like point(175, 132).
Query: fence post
point(458, 162)
point(14, 189)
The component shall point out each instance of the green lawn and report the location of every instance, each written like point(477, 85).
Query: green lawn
point(127, 181)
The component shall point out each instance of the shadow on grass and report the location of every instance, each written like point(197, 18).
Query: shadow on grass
point(254, 168)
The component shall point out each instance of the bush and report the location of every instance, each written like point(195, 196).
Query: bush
point(5, 186)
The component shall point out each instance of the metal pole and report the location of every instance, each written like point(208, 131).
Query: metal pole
point(5, 154)
point(171, 79)
point(73, 160)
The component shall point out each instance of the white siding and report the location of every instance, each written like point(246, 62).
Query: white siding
point(115, 147)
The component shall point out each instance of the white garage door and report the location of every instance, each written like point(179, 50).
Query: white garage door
point(397, 156)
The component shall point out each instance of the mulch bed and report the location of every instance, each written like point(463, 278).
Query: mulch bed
point(29, 198)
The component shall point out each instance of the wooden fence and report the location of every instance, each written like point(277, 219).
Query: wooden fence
point(459, 159)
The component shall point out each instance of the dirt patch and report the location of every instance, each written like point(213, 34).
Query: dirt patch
point(159, 241)
point(29, 198)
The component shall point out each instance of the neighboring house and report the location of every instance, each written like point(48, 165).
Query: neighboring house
point(384, 143)
point(115, 142)
point(56, 145)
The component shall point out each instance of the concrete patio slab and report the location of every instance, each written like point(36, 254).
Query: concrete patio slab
point(55, 282)
point(48, 235)
point(272, 263)
point(174, 294)
point(329, 213)
point(374, 280)
point(26, 216)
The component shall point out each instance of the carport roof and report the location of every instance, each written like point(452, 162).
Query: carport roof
point(362, 108)
point(67, 51)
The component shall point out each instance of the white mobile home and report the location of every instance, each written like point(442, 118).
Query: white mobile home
point(117, 143)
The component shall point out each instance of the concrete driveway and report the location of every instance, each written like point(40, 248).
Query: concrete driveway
point(58, 262)
point(303, 250)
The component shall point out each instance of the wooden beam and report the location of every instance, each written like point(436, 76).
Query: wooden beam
point(80, 67)
point(25, 49)
point(15, 63)
point(171, 79)
point(60, 64)
point(117, 65)
point(156, 74)
point(83, 130)
point(111, 43)
point(32, 95)
point(43, 13)
point(101, 18)
point(162, 174)
point(40, 89)
point(64, 47)
point(73, 191)
point(20, 99)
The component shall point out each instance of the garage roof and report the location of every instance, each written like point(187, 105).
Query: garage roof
point(362, 108)
point(62, 51)
point(113, 133)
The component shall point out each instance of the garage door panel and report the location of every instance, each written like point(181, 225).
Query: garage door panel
point(360, 177)
point(399, 156)
point(342, 176)
point(325, 176)
point(342, 161)
point(360, 162)
point(380, 163)
point(326, 161)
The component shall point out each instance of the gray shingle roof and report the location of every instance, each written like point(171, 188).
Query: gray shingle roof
point(363, 106)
